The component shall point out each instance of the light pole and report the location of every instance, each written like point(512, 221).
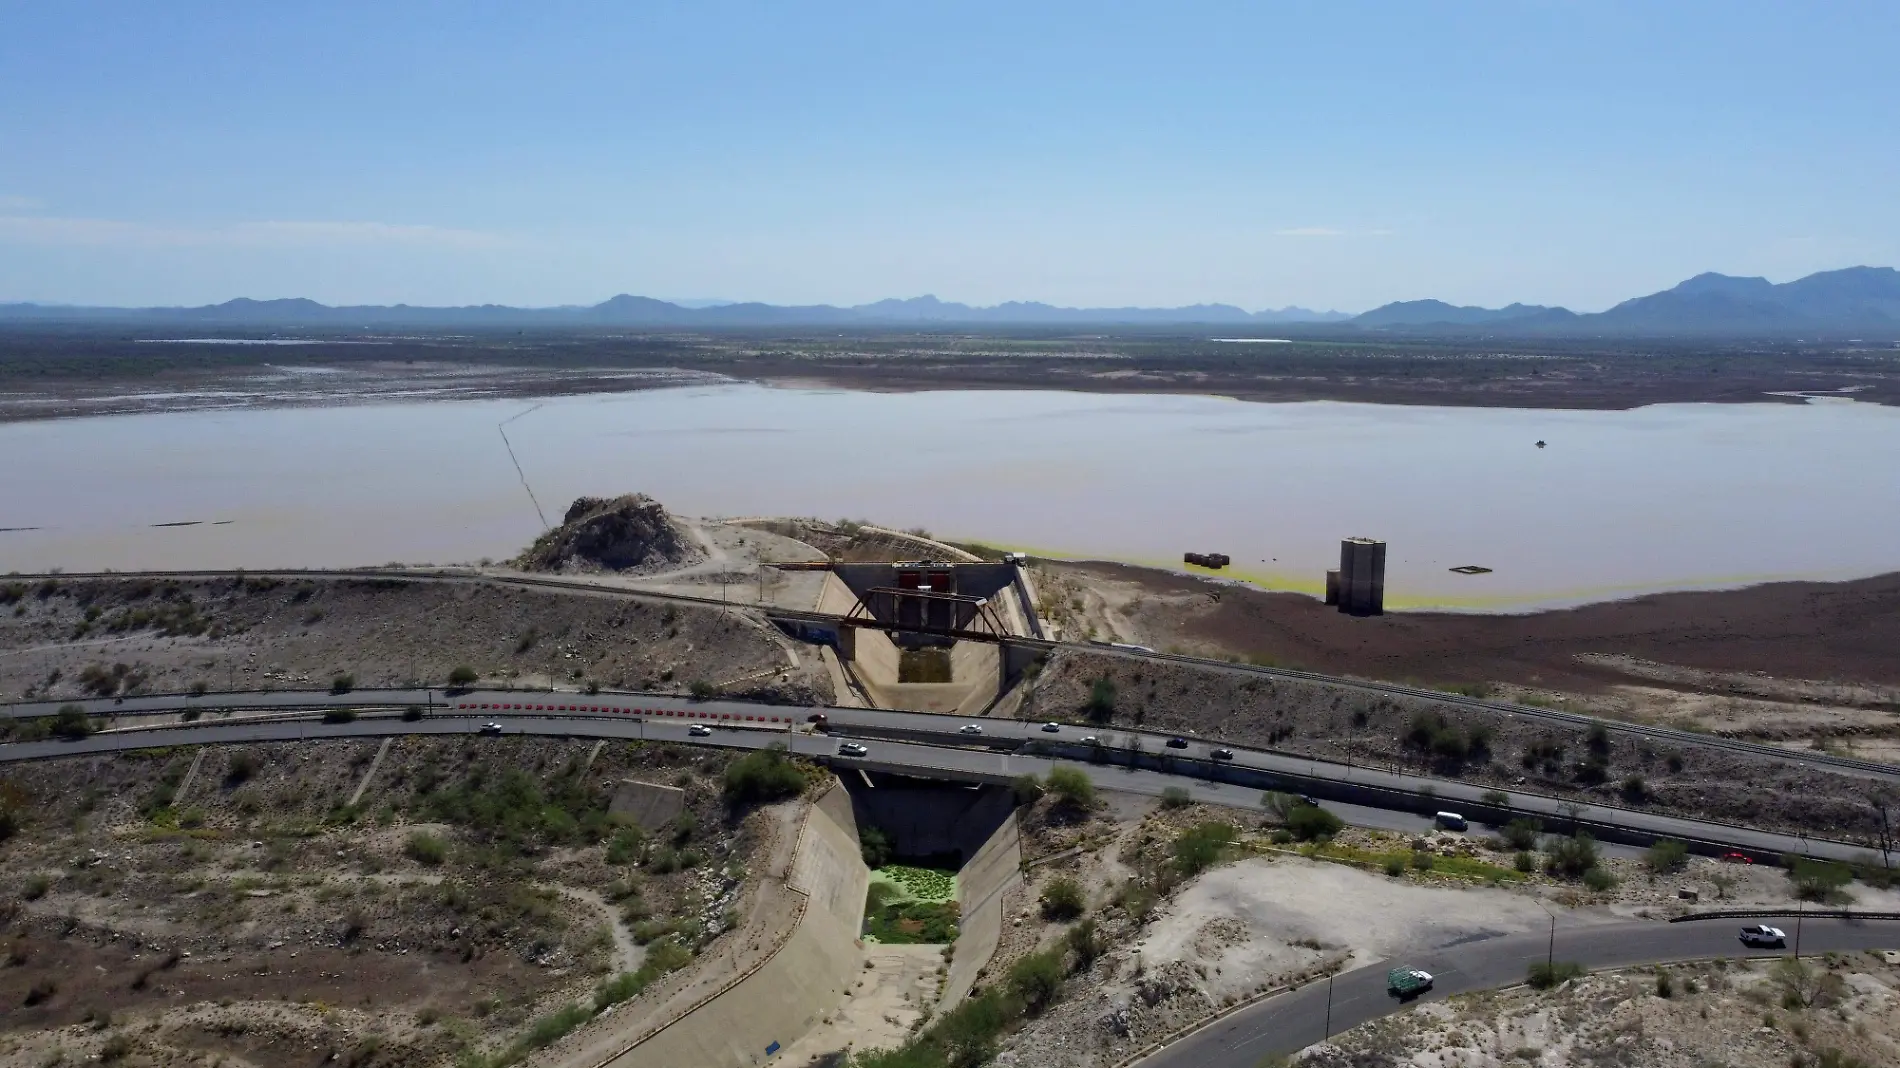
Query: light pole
point(1329, 1008)
point(1801, 908)
point(1550, 952)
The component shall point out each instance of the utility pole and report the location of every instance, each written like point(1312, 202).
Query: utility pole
point(1329, 1007)
point(1800, 910)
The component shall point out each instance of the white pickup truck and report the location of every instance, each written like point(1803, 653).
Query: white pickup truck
point(1763, 935)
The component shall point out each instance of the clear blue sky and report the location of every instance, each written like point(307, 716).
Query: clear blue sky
point(1334, 155)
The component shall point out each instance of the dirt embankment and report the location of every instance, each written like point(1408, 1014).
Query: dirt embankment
point(1419, 734)
point(1796, 663)
point(72, 638)
point(248, 910)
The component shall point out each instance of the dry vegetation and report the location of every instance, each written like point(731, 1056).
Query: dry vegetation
point(1421, 735)
point(100, 637)
point(476, 903)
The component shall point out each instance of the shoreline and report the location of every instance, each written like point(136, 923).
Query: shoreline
point(319, 383)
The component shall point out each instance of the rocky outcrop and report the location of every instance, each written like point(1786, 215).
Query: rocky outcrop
point(629, 533)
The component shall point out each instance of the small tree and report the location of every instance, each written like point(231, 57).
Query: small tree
point(875, 845)
point(1521, 833)
point(1201, 847)
point(70, 723)
point(1308, 822)
point(1034, 980)
point(1278, 805)
point(463, 676)
point(1571, 856)
point(701, 690)
point(1817, 880)
point(1666, 856)
point(1176, 797)
point(1100, 706)
point(1063, 899)
point(343, 683)
point(1071, 787)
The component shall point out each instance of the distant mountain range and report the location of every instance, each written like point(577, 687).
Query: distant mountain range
point(631, 311)
point(1852, 300)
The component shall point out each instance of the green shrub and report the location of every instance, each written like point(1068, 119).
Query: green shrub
point(70, 723)
point(463, 676)
point(1176, 797)
point(1521, 833)
point(1525, 861)
point(1034, 980)
point(1666, 855)
point(1599, 880)
point(626, 846)
point(1423, 860)
point(1100, 707)
point(875, 846)
point(339, 715)
point(343, 684)
point(411, 713)
point(762, 776)
point(701, 690)
point(1071, 786)
point(1201, 847)
point(1571, 857)
point(1395, 867)
point(1546, 974)
point(1307, 822)
point(425, 848)
point(1817, 880)
point(1026, 788)
point(1062, 899)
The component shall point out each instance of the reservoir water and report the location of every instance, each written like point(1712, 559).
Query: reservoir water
point(1617, 503)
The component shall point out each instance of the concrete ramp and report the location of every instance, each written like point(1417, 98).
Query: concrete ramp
point(981, 886)
point(801, 984)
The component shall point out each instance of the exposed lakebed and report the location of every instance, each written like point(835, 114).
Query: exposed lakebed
point(1617, 503)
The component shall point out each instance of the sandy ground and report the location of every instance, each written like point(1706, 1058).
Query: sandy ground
point(1240, 925)
point(899, 986)
point(1715, 1015)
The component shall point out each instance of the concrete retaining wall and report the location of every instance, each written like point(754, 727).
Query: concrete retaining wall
point(804, 982)
point(649, 806)
point(988, 875)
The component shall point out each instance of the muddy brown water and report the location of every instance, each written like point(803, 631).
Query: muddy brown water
point(1617, 503)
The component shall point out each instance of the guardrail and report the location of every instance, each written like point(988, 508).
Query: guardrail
point(1819, 914)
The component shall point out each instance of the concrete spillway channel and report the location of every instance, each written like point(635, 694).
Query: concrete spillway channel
point(816, 970)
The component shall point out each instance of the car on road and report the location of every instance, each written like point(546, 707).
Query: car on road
point(699, 730)
point(1222, 754)
point(1737, 858)
point(1177, 743)
point(1763, 935)
point(490, 728)
point(852, 749)
point(817, 718)
point(1051, 728)
point(970, 728)
point(1408, 982)
point(1090, 739)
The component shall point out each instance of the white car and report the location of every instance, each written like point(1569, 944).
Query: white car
point(970, 728)
point(699, 730)
point(491, 728)
point(1763, 935)
point(1091, 740)
point(852, 749)
point(1051, 728)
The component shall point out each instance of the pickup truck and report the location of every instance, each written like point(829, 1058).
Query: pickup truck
point(1763, 935)
point(1408, 982)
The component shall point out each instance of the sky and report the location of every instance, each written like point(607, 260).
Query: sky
point(1333, 155)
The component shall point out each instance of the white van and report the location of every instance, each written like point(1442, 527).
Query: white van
point(1451, 821)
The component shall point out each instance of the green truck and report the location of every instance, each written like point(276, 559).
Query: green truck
point(1408, 982)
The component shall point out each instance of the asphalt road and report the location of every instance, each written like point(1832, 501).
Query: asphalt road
point(912, 742)
point(1293, 1021)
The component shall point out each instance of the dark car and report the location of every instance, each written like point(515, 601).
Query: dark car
point(491, 728)
point(1177, 743)
point(1222, 754)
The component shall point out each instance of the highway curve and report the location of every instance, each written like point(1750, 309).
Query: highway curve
point(1293, 1021)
